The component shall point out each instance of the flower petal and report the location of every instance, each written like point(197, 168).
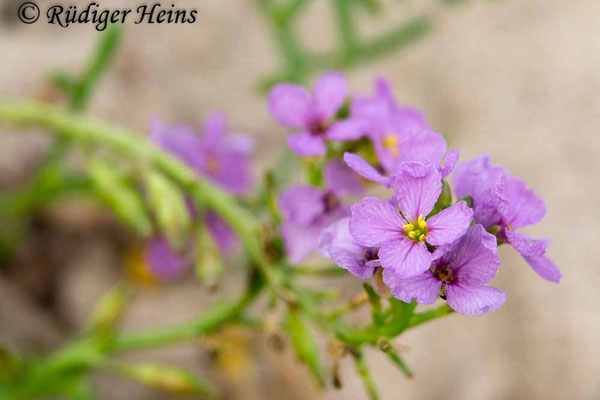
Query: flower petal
point(474, 258)
point(405, 258)
point(518, 205)
point(352, 262)
point(544, 267)
point(305, 144)
point(329, 91)
point(215, 127)
point(301, 203)
point(162, 261)
point(224, 235)
point(346, 130)
point(300, 240)
point(474, 299)
point(337, 235)
point(423, 288)
point(291, 105)
point(526, 245)
point(364, 169)
point(449, 162)
point(477, 178)
point(417, 187)
point(422, 145)
point(449, 224)
point(375, 222)
point(341, 180)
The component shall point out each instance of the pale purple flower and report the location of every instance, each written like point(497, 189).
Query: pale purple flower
point(215, 154)
point(162, 261)
point(459, 275)
point(308, 210)
point(222, 157)
point(399, 133)
point(337, 243)
point(505, 202)
point(313, 114)
point(400, 227)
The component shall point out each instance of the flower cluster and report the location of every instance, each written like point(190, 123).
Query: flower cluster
point(424, 244)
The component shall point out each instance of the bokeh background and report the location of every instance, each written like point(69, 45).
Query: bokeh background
point(517, 79)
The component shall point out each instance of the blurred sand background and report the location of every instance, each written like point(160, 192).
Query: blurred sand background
point(517, 79)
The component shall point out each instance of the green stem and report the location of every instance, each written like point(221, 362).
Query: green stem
point(208, 322)
point(134, 145)
point(426, 316)
point(363, 371)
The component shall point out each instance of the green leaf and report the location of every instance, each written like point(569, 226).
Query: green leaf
point(208, 260)
point(401, 313)
point(109, 310)
point(166, 378)
point(120, 196)
point(169, 207)
point(305, 345)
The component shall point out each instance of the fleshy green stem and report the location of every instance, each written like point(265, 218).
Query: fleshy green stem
point(209, 321)
point(421, 318)
point(363, 371)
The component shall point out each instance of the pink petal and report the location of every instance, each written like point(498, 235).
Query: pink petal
point(301, 203)
point(449, 162)
point(526, 245)
point(422, 288)
point(215, 127)
point(474, 258)
point(306, 144)
point(351, 262)
point(340, 179)
point(544, 267)
point(346, 130)
point(330, 91)
point(417, 187)
point(474, 299)
point(518, 205)
point(449, 224)
point(405, 258)
point(291, 105)
point(364, 169)
point(375, 222)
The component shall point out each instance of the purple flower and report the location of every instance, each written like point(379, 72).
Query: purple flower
point(308, 210)
point(399, 133)
point(460, 274)
point(162, 261)
point(400, 227)
point(293, 106)
point(505, 202)
point(223, 158)
point(216, 155)
point(337, 243)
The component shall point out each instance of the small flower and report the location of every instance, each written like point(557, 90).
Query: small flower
point(399, 133)
point(460, 275)
point(216, 155)
point(293, 106)
point(307, 210)
point(400, 227)
point(223, 158)
point(505, 202)
point(337, 243)
point(162, 261)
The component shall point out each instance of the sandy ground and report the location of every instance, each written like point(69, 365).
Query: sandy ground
point(516, 79)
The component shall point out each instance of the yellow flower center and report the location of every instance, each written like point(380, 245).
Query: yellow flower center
point(417, 231)
point(390, 142)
